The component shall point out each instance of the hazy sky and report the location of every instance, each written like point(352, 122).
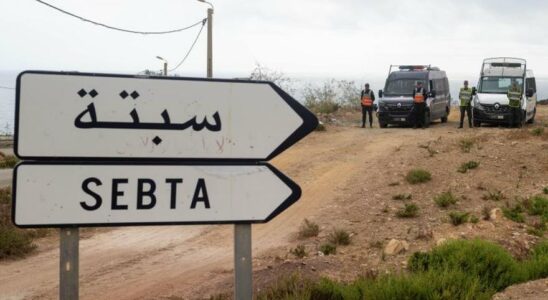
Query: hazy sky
point(343, 38)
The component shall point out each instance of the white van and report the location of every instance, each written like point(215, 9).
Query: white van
point(490, 104)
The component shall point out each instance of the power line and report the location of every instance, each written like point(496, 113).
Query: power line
point(191, 47)
point(117, 28)
point(6, 87)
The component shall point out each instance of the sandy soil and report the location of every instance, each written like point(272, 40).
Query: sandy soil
point(345, 174)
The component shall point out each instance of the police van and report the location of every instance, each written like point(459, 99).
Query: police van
point(395, 104)
point(490, 103)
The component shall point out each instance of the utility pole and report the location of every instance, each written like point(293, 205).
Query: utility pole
point(210, 42)
point(209, 39)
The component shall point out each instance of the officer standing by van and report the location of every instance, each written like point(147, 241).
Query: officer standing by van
point(465, 97)
point(367, 99)
point(419, 105)
point(514, 101)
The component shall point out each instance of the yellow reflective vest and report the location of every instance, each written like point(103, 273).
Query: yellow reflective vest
point(514, 96)
point(465, 96)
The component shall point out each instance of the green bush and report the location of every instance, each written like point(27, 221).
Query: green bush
point(538, 131)
point(490, 263)
point(545, 190)
point(339, 237)
point(328, 248)
point(445, 199)
point(14, 242)
point(538, 206)
point(495, 196)
point(8, 161)
point(458, 218)
point(514, 213)
point(410, 210)
point(418, 176)
point(474, 219)
point(401, 197)
point(462, 269)
point(299, 251)
point(308, 229)
point(464, 167)
point(466, 144)
point(5, 195)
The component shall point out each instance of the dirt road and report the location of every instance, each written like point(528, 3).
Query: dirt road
point(191, 261)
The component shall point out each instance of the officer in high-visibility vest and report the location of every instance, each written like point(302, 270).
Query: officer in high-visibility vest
point(465, 97)
point(367, 99)
point(419, 105)
point(514, 99)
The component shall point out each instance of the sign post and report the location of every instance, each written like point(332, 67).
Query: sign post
point(123, 150)
point(243, 263)
point(69, 238)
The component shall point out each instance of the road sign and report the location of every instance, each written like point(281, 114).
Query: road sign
point(109, 194)
point(84, 116)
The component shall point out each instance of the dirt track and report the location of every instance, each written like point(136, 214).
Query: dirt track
point(192, 261)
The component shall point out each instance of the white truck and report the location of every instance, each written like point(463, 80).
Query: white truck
point(490, 102)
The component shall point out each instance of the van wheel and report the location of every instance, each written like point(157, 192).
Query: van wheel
point(383, 125)
point(477, 123)
point(532, 120)
point(444, 118)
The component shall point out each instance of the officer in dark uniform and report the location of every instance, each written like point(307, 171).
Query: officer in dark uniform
point(419, 105)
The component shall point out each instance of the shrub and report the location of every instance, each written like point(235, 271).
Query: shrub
point(458, 218)
point(339, 237)
point(466, 144)
point(474, 219)
point(418, 176)
point(514, 213)
point(299, 251)
point(308, 229)
point(462, 269)
point(8, 161)
point(538, 206)
point(401, 197)
point(486, 213)
point(445, 199)
point(14, 242)
point(328, 248)
point(537, 229)
point(464, 167)
point(545, 190)
point(5, 195)
point(538, 131)
point(410, 210)
point(495, 196)
point(490, 263)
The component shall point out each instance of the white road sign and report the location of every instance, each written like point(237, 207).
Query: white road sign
point(94, 194)
point(80, 116)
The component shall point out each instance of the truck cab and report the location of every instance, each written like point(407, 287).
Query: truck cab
point(396, 100)
point(490, 103)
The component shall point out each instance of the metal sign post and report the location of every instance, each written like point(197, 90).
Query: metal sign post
point(69, 239)
point(243, 264)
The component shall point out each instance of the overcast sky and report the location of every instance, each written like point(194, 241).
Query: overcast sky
point(343, 38)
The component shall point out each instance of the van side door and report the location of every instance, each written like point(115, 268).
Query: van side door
point(531, 102)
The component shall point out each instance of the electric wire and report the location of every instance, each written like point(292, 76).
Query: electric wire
point(191, 47)
point(6, 87)
point(118, 28)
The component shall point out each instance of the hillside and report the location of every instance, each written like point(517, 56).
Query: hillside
point(349, 178)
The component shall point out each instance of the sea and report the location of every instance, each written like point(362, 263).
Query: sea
point(8, 78)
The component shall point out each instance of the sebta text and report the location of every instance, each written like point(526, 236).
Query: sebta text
point(146, 195)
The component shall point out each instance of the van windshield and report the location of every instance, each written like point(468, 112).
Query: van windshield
point(498, 84)
point(400, 87)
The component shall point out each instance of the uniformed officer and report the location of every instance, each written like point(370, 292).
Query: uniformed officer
point(465, 97)
point(367, 99)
